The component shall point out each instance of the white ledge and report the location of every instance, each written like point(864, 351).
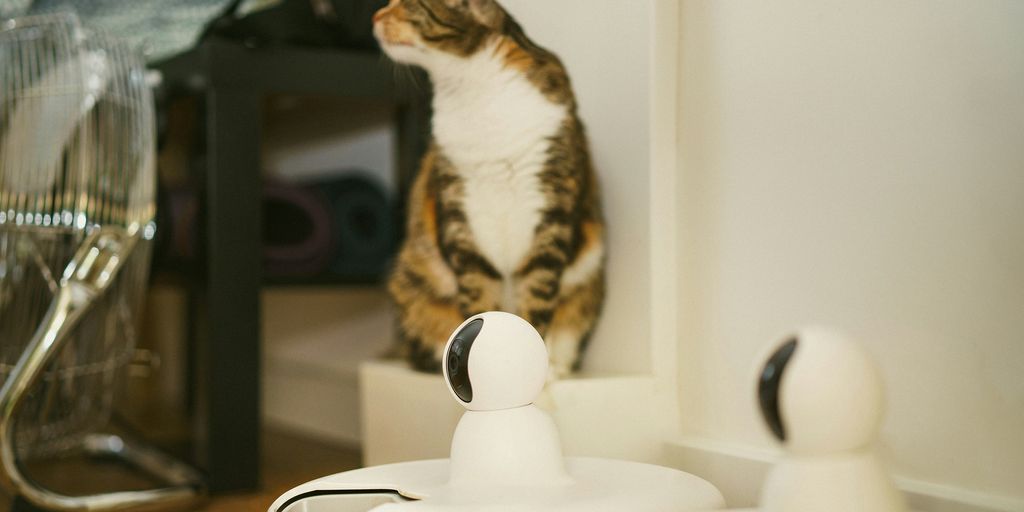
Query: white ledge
point(738, 471)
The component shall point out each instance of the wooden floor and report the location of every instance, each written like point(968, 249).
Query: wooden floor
point(288, 460)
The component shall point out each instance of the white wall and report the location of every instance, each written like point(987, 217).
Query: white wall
point(860, 164)
point(306, 138)
point(605, 45)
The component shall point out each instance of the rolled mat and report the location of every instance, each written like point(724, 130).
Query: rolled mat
point(297, 233)
point(363, 225)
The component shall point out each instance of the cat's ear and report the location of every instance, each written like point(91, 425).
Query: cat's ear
point(487, 12)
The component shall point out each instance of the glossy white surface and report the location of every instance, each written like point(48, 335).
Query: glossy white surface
point(599, 485)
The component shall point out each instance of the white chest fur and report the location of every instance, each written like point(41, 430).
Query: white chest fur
point(503, 206)
point(495, 126)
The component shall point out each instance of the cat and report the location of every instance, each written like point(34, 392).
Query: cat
point(505, 212)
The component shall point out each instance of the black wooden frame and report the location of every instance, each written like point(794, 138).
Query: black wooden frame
point(232, 80)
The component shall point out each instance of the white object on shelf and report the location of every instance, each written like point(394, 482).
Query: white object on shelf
point(495, 366)
point(821, 395)
point(315, 340)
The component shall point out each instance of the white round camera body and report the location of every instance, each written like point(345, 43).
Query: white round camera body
point(820, 393)
point(496, 365)
point(495, 361)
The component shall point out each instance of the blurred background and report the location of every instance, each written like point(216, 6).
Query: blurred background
point(764, 166)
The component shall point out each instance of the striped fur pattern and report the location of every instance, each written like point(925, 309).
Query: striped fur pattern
point(505, 212)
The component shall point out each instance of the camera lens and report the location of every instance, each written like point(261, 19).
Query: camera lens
point(453, 362)
point(458, 360)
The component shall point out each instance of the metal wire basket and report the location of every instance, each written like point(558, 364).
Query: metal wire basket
point(77, 186)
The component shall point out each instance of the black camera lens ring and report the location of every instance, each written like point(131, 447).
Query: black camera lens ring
point(458, 352)
point(453, 363)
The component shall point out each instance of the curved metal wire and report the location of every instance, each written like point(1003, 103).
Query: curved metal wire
point(77, 186)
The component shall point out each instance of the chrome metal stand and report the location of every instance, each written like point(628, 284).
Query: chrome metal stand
point(89, 274)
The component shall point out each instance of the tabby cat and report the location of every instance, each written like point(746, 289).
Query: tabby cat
point(505, 212)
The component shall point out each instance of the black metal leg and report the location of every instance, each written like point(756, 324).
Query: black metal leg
point(230, 350)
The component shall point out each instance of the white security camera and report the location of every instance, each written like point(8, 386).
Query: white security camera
point(506, 453)
point(495, 365)
point(821, 395)
point(495, 361)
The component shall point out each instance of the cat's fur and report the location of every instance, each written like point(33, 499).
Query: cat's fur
point(505, 212)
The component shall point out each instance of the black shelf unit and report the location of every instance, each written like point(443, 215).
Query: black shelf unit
point(231, 80)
